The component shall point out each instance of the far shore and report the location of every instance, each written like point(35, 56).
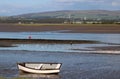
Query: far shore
point(70, 28)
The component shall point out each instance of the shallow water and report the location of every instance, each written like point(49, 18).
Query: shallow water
point(113, 39)
point(78, 60)
point(75, 65)
point(109, 38)
point(57, 47)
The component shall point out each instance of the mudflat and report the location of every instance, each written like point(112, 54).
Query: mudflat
point(72, 28)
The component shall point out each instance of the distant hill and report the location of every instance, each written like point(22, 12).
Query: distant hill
point(88, 14)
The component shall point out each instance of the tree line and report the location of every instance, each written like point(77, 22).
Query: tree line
point(58, 20)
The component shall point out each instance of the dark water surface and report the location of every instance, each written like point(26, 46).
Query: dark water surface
point(75, 65)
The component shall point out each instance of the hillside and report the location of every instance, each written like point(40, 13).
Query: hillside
point(88, 14)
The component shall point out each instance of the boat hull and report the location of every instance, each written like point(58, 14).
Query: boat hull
point(38, 71)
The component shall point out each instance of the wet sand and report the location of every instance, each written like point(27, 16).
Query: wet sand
point(72, 28)
point(110, 48)
point(11, 42)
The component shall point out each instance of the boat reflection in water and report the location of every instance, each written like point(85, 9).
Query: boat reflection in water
point(37, 76)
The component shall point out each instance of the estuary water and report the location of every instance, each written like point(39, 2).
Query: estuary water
point(80, 61)
point(107, 39)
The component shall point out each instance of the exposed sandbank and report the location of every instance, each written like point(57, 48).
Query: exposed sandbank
point(10, 42)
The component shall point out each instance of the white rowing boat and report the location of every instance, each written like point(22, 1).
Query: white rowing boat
point(40, 68)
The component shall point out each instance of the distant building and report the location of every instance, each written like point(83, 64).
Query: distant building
point(117, 22)
point(19, 22)
point(78, 22)
point(31, 22)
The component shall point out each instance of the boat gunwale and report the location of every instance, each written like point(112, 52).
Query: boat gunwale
point(23, 64)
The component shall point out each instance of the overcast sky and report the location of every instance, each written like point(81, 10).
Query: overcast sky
point(15, 7)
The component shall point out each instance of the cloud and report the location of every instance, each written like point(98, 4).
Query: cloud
point(91, 4)
point(30, 6)
point(74, 1)
point(116, 3)
point(3, 11)
point(69, 3)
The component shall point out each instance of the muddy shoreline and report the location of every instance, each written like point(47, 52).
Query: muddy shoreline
point(12, 42)
point(72, 28)
point(110, 48)
point(5, 41)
